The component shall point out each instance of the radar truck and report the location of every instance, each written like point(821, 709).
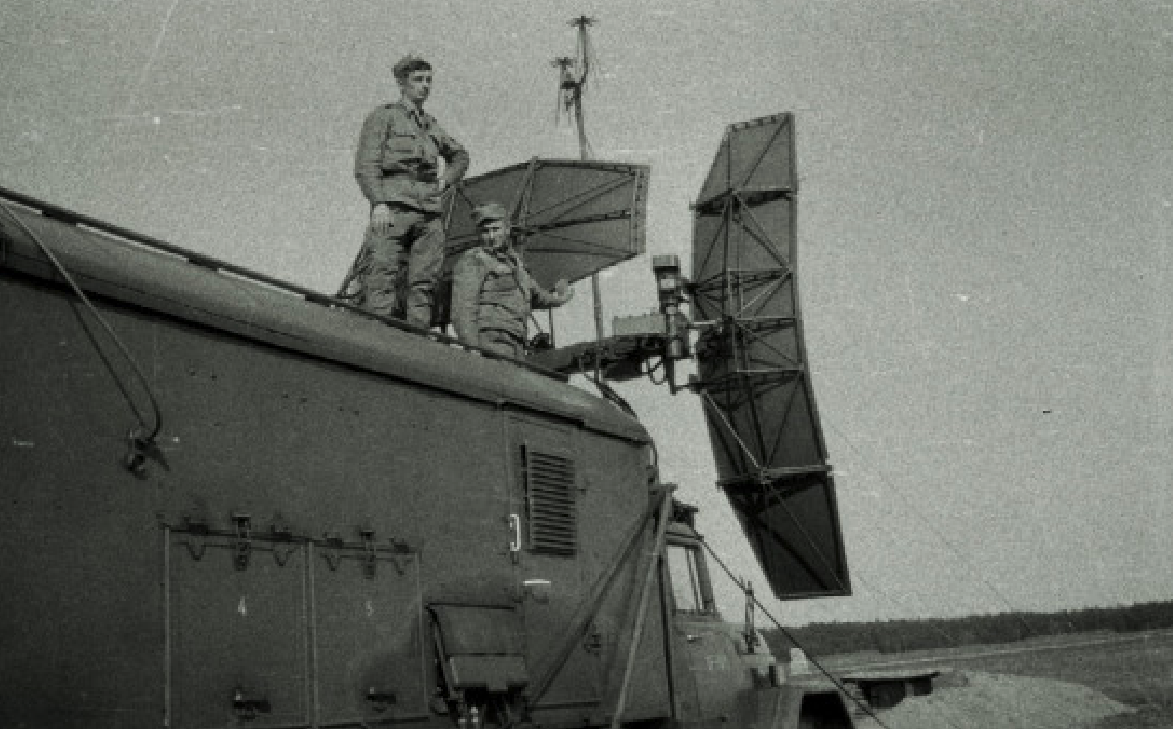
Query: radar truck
point(230, 501)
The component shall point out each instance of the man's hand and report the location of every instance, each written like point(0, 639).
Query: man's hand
point(381, 218)
point(563, 290)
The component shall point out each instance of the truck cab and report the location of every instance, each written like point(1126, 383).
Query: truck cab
point(724, 672)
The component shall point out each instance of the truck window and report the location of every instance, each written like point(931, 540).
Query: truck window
point(688, 587)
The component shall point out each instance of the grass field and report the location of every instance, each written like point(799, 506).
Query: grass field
point(1136, 669)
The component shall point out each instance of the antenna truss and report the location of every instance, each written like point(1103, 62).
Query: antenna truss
point(752, 363)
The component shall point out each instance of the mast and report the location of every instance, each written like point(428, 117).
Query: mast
point(573, 75)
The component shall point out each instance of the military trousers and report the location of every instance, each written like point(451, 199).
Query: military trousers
point(501, 342)
point(398, 271)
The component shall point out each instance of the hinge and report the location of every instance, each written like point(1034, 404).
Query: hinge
point(198, 526)
point(282, 552)
point(239, 538)
point(366, 551)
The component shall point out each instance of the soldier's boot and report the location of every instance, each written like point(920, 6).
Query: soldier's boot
point(502, 343)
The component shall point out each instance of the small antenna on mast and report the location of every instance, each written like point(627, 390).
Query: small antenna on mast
point(584, 53)
point(574, 74)
point(572, 80)
point(567, 86)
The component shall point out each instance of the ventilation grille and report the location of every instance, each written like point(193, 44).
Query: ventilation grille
point(549, 491)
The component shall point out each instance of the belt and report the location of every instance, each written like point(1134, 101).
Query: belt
point(411, 176)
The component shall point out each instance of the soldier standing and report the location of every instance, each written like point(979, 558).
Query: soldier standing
point(493, 294)
point(397, 168)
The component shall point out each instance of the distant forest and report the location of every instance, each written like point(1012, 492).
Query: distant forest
point(896, 636)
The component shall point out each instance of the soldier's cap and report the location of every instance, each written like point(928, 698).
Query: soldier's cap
point(489, 212)
point(409, 63)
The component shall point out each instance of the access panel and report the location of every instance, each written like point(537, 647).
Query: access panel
point(237, 618)
point(368, 635)
point(544, 509)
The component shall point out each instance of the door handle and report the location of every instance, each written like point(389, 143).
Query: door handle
point(515, 533)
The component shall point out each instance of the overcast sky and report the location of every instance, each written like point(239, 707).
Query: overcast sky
point(984, 228)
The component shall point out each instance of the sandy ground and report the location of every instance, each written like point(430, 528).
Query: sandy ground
point(972, 699)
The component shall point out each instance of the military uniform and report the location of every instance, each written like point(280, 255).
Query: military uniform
point(492, 296)
point(397, 163)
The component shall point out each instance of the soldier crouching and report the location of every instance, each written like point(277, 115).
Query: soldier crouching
point(493, 293)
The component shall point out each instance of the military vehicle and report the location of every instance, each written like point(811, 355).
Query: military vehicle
point(232, 501)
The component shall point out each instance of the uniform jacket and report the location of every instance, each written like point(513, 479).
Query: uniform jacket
point(398, 157)
point(492, 290)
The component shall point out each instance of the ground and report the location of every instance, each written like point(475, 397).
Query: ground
point(1100, 680)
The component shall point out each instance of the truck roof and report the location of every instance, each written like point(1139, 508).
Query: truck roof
point(118, 264)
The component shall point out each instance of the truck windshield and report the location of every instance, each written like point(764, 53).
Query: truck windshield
point(688, 588)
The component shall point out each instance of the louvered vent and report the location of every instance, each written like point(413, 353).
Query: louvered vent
point(550, 491)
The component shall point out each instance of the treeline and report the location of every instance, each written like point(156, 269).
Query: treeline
point(895, 636)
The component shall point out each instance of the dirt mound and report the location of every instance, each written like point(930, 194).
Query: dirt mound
point(975, 700)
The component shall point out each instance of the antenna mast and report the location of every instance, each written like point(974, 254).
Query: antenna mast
point(573, 75)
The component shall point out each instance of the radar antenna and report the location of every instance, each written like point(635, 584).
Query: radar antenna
point(751, 359)
point(753, 379)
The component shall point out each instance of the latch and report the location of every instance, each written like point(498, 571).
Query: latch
point(593, 642)
point(370, 557)
point(332, 550)
point(246, 708)
point(380, 698)
point(400, 550)
point(242, 545)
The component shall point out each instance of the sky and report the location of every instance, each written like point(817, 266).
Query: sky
point(985, 206)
